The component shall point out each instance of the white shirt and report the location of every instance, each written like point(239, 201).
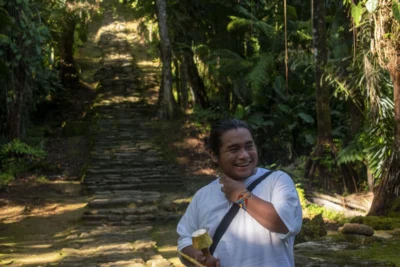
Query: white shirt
point(246, 242)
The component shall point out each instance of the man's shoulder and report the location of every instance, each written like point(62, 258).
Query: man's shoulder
point(208, 187)
point(275, 176)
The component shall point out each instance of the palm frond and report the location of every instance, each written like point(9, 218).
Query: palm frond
point(259, 75)
point(243, 11)
point(238, 23)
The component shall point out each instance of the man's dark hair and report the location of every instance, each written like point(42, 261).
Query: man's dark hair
point(214, 141)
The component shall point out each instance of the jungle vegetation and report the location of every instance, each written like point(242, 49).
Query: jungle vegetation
point(318, 81)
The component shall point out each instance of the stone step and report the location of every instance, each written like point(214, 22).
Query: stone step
point(123, 201)
point(146, 209)
point(134, 171)
point(124, 183)
point(136, 174)
point(165, 185)
point(124, 177)
point(129, 219)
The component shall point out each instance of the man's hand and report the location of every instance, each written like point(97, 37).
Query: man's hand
point(231, 188)
point(198, 256)
point(207, 261)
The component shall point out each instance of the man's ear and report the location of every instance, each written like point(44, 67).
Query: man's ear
point(214, 157)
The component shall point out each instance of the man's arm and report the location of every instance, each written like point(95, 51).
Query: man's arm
point(265, 214)
point(262, 211)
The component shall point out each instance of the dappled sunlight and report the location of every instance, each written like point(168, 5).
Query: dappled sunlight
point(109, 28)
point(118, 100)
point(16, 214)
point(149, 63)
point(39, 259)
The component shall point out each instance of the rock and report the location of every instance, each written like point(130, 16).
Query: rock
point(337, 251)
point(356, 228)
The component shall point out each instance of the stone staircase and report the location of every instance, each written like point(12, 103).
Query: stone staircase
point(132, 186)
point(129, 178)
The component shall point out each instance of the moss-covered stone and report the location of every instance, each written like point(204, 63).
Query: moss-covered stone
point(311, 229)
point(378, 223)
point(349, 250)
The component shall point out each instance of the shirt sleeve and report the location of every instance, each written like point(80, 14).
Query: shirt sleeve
point(287, 204)
point(188, 224)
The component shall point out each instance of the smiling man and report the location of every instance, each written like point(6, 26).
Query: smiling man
point(262, 231)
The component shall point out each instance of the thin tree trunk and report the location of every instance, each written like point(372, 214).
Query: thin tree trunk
point(166, 102)
point(184, 87)
point(16, 107)
point(178, 81)
point(195, 80)
point(396, 97)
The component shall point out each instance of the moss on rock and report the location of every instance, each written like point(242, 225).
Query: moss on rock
point(311, 229)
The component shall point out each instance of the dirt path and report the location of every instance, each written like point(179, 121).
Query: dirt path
point(126, 210)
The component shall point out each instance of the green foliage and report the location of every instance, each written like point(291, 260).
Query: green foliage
point(26, 53)
point(18, 149)
point(396, 9)
point(356, 13)
point(204, 116)
point(17, 157)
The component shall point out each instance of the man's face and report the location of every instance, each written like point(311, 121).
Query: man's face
point(238, 154)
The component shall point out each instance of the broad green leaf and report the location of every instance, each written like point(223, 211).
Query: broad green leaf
point(284, 108)
point(307, 118)
point(371, 5)
point(356, 13)
point(396, 10)
point(239, 113)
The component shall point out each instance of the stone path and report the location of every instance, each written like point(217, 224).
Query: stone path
point(132, 185)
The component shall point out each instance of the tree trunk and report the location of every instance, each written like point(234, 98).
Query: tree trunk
point(389, 188)
point(395, 73)
point(69, 73)
point(324, 131)
point(195, 80)
point(184, 88)
point(16, 107)
point(322, 162)
point(178, 81)
point(167, 106)
point(322, 91)
point(371, 179)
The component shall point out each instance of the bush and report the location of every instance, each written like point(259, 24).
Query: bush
point(17, 157)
